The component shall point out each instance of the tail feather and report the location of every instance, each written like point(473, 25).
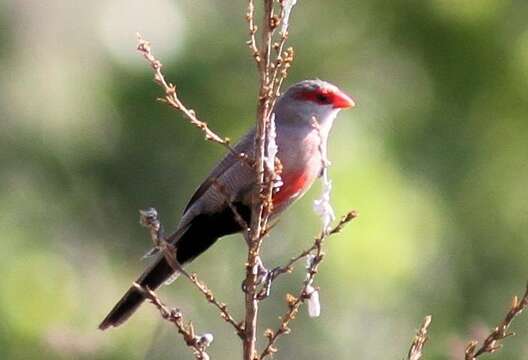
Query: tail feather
point(152, 278)
point(190, 241)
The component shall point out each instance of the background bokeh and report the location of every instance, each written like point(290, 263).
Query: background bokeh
point(434, 157)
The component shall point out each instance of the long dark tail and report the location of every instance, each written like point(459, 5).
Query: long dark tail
point(152, 278)
point(189, 242)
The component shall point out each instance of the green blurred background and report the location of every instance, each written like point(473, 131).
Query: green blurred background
point(434, 158)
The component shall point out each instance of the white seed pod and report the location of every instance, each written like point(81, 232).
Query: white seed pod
point(312, 301)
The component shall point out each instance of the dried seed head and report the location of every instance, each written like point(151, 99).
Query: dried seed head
point(290, 299)
point(205, 340)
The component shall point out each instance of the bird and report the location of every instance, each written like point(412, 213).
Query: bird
point(208, 216)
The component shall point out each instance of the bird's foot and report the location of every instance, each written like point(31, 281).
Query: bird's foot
point(267, 280)
point(260, 271)
point(264, 279)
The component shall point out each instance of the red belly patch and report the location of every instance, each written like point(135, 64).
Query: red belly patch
point(293, 184)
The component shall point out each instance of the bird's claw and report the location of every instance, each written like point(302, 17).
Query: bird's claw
point(265, 291)
point(261, 273)
point(265, 278)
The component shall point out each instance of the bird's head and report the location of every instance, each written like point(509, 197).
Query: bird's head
point(311, 99)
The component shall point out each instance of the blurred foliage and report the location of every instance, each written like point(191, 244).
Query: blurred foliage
point(434, 158)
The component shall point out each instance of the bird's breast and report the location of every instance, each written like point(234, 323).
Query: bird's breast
point(294, 183)
point(300, 158)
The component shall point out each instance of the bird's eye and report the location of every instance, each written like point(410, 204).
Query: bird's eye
point(322, 98)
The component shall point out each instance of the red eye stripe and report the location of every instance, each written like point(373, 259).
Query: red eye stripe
point(326, 96)
point(320, 96)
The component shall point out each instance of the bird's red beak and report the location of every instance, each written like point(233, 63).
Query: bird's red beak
point(340, 100)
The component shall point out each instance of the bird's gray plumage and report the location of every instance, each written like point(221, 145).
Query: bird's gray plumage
point(208, 215)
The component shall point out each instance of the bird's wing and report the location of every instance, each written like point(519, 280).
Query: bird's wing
point(222, 170)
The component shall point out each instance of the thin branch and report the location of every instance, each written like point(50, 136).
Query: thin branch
point(227, 197)
point(222, 307)
point(294, 302)
point(416, 350)
point(269, 25)
point(281, 67)
point(171, 98)
point(150, 219)
point(252, 42)
point(283, 60)
point(258, 210)
point(271, 75)
point(288, 267)
point(197, 343)
point(491, 343)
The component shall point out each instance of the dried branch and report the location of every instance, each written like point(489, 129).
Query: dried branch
point(269, 89)
point(150, 219)
point(196, 342)
point(491, 343)
point(288, 267)
point(416, 350)
point(294, 302)
point(281, 66)
point(171, 98)
point(258, 211)
point(222, 307)
point(284, 59)
point(252, 42)
point(227, 197)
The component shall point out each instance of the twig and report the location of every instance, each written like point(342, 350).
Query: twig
point(490, 344)
point(416, 350)
point(171, 98)
point(258, 211)
point(150, 219)
point(252, 42)
point(288, 267)
point(238, 218)
point(282, 65)
point(197, 343)
point(283, 60)
point(222, 307)
point(294, 302)
point(262, 205)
